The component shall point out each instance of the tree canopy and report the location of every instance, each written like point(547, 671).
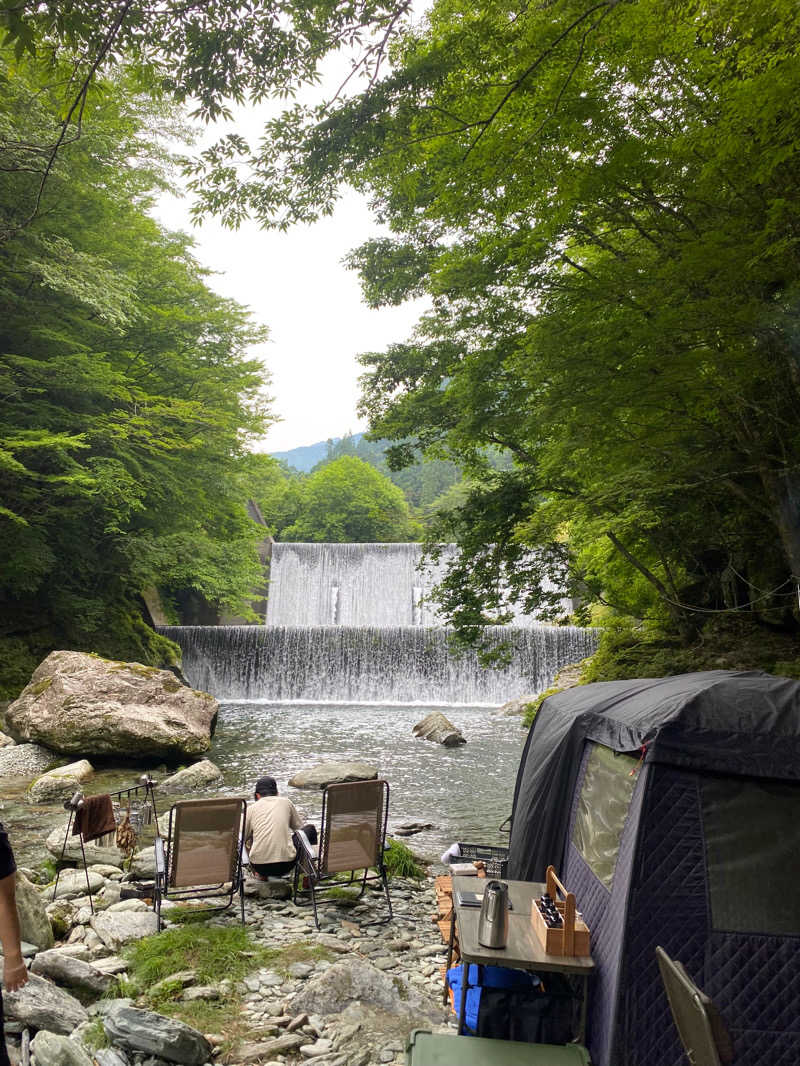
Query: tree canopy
point(345, 499)
point(126, 391)
point(601, 201)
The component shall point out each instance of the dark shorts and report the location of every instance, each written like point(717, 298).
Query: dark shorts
point(280, 869)
point(266, 869)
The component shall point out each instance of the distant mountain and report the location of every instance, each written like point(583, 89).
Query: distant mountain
point(306, 457)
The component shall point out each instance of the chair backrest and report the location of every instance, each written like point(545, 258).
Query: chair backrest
point(702, 1031)
point(353, 833)
point(205, 841)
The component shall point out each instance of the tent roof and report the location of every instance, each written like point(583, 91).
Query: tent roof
point(724, 721)
point(740, 722)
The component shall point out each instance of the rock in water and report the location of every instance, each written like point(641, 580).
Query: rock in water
point(26, 760)
point(438, 729)
point(333, 773)
point(60, 783)
point(198, 775)
point(144, 1030)
point(84, 704)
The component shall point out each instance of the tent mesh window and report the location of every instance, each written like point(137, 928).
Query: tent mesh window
point(602, 809)
point(753, 859)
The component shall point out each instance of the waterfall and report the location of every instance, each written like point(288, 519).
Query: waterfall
point(370, 663)
point(356, 585)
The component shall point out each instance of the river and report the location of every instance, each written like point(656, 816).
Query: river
point(464, 792)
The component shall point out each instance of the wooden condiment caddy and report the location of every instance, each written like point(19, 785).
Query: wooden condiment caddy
point(572, 938)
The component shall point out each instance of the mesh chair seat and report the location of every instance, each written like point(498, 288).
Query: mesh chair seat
point(352, 838)
point(202, 854)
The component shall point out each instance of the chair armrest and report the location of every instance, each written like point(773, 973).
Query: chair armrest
point(161, 862)
point(305, 845)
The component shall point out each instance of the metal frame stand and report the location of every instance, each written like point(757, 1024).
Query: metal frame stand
point(74, 804)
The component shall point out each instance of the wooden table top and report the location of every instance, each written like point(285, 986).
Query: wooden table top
point(523, 950)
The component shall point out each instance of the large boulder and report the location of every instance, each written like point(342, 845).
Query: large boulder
point(61, 783)
point(42, 1005)
point(201, 774)
point(439, 730)
point(58, 1050)
point(354, 980)
point(74, 973)
point(75, 883)
point(34, 922)
point(116, 928)
point(154, 1034)
point(519, 705)
point(79, 703)
point(333, 773)
point(26, 760)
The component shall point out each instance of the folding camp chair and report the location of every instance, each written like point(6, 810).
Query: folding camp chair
point(352, 838)
point(703, 1033)
point(201, 857)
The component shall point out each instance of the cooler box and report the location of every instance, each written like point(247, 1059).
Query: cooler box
point(428, 1049)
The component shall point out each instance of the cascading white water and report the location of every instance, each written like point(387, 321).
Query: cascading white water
point(356, 585)
point(349, 585)
point(377, 664)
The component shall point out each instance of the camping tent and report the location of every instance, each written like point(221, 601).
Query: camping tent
point(671, 807)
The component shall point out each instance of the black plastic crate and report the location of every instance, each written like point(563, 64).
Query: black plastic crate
point(494, 858)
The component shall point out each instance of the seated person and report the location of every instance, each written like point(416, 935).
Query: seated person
point(268, 831)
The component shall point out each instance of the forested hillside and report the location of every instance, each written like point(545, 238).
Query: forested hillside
point(126, 395)
point(600, 202)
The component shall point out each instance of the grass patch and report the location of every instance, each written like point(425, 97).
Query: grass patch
point(341, 895)
point(94, 1036)
point(183, 915)
point(401, 861)
point(214, 952)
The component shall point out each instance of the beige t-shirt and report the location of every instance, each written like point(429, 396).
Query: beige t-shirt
point(269, 823)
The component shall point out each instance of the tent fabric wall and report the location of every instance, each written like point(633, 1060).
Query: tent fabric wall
point(606, 914)
point(720, 723)
point(736, 722)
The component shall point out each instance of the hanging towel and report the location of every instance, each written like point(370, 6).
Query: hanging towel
point(95, 817)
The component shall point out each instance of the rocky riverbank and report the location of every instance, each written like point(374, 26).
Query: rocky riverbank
point(346, 995)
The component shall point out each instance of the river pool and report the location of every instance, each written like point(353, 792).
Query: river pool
point(464, 792)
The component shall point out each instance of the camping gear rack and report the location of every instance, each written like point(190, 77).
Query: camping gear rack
point(74, 804)
point(495, 859)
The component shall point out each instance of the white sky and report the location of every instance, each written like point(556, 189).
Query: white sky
point(296, 285)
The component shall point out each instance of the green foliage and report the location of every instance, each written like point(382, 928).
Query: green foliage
point(348, 500)
point(127, 394)
point(728, 643)
point(600, 203)
point(532, 708)
point(94, 1036)
point(401, 861)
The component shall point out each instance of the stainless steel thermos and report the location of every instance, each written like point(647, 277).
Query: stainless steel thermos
point(493, 920)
